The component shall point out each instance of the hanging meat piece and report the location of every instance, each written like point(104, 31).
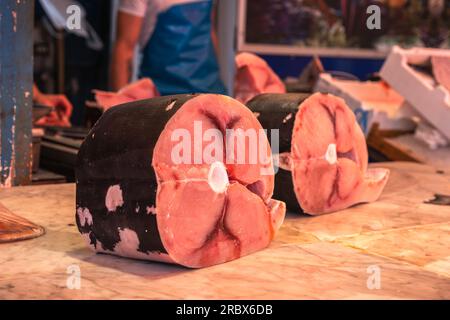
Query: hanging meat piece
point(254, 76)
point(138, 90)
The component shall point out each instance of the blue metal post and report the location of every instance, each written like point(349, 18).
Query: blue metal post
point(16, 79)
point(226, 34)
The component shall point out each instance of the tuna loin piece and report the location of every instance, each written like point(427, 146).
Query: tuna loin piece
point(134, 200)
point(329, 158)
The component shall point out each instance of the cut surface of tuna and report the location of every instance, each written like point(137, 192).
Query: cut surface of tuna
point(135, 198)
point(329, 158)
point(322, 159)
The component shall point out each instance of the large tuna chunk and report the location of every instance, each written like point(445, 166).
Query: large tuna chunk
point(138, 197)
point(322, 152)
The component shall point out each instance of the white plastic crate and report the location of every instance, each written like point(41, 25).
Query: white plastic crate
point(430, 100)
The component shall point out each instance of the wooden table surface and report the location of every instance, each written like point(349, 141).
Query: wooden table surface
point(399, 240)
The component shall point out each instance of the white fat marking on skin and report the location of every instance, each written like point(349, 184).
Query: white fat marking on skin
point(128, 246)
point(85, 216)
point(113, 198)
point(256, 114)
point(287, 118)
point(170, 106)
point(151, 210)
point(129, 242)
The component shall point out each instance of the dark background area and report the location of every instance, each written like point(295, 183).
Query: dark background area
point(85, 69)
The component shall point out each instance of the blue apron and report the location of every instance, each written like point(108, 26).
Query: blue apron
point(180, 57)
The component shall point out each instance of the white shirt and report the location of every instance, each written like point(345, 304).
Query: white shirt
point(150, 10)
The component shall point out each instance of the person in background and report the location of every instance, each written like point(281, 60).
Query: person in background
point(174, 37)
point(60, 116)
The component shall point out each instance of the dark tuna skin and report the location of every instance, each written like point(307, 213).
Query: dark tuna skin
point(119, 151)
point(284, 190)
point(277, 111)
